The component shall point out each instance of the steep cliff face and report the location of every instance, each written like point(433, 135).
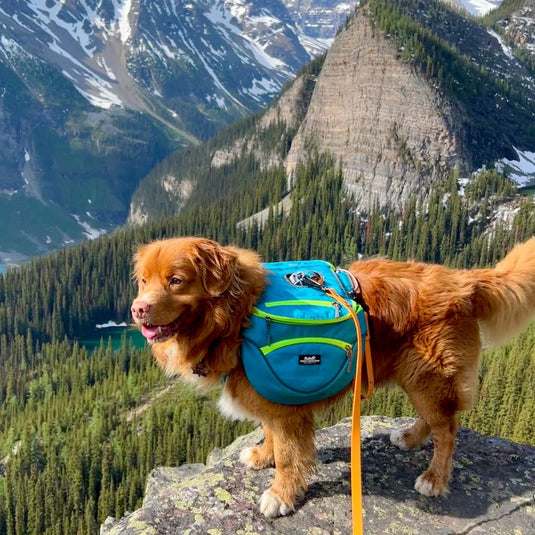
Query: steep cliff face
point(396, 123)
point(391, 131)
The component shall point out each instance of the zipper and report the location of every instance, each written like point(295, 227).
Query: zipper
point(312, 340)
point(349, 354)
point(300, 321)
point(293, 302)
point(268, 329)
point(266, 350)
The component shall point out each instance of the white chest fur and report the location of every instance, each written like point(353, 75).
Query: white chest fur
point(231, 408)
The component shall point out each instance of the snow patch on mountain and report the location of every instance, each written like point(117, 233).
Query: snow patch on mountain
point(505, 48)
point(102, 97)
point(9, 46)
point(522, 171)
point(480, 7)
point(110, 324)
point(90, 232)
point(263, 86)
point(123, 9)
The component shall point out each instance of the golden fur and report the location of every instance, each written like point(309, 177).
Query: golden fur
point(427, 322)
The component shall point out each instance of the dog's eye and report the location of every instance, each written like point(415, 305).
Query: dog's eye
point(175, 281)
point(143, 280)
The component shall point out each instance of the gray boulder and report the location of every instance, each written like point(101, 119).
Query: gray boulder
point(492, 490)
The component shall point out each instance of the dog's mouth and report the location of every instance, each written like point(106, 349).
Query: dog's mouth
point(158, 333)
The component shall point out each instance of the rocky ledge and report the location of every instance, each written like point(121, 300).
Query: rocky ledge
point(492, 490)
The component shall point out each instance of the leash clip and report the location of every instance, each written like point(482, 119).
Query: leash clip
point(355, 292)
point(312, 279)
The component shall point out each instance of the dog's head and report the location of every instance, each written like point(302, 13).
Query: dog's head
point(177, 279)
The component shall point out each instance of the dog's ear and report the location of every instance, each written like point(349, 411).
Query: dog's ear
point(136, 261)
point(216, 266)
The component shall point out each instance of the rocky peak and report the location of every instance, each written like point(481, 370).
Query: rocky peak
point(401, 112)
point(491, 490)
point(391, 131)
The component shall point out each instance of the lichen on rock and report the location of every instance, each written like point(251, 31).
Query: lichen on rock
point(491, 491)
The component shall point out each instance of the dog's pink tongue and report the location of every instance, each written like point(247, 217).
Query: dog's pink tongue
point(150, 333)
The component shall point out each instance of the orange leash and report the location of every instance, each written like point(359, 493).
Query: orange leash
point(356, 472)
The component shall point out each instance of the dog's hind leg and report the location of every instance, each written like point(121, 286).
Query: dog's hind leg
point(451, 396)
point(434, 481)
point(262, 456)
point(412, 437)
point(439, 385)
point(295, 457)
point(437, 413)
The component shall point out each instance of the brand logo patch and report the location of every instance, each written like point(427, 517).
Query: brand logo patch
point(309, 360)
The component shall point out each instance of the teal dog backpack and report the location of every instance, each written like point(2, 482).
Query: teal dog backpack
point(301, 345)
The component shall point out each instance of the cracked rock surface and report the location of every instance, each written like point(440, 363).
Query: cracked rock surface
point(492, 490)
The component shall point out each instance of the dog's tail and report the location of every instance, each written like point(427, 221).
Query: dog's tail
point(505, 296)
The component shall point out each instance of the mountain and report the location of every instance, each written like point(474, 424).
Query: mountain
point(430, 92)
point(409, 92)
point(319, 19)
point(94, 92)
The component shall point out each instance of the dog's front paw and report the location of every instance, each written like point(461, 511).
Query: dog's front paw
point(271, 505)
point(255, 458)
point(431, 484)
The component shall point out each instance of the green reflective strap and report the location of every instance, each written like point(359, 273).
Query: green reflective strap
point(291, 302)
point(303, 321)
point(311, 340)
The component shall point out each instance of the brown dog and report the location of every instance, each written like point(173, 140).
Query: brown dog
point(428, 324)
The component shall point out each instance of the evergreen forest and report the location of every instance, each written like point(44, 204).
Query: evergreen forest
point(80, 428)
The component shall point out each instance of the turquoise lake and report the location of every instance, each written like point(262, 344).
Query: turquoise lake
point(115, 334)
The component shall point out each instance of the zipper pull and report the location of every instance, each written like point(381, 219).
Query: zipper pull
point(268, 327)
point(349, 354)
point(337, 306)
